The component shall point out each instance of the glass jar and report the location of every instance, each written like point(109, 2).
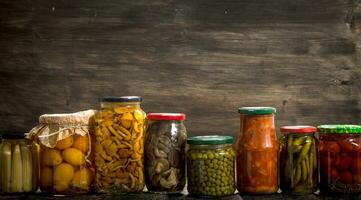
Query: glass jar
point(210, 166)
point(66, 156)
point(119, 147)
point(340, 158)
point(164, 160)
point(257, 151)
point(19, 164)
point(298, 160)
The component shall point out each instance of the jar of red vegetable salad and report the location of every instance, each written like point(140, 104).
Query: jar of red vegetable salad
point(340, 158)
point(257, 151)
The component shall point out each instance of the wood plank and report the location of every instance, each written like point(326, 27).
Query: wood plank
point(204, 58)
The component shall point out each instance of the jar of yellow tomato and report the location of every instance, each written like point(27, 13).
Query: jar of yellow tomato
point(66, 155)
point(119, 146)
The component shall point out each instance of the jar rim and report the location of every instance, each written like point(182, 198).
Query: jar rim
point(121, 99)
point(298, 129)
point(339, 129)
point(210, 140)
point(166, 116)
point(256, 110)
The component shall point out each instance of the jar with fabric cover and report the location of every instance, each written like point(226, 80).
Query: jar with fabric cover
point(66, 155)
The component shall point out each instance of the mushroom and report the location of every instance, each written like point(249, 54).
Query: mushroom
point(164, 148)
point(165, 140)
point(165, 144)
point(161, 165)
point(170, 181)
point(159, 153)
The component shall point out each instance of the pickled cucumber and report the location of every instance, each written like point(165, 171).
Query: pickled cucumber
point(211, 172)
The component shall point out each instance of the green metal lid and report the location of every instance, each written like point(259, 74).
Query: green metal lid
point(257, 110)
point(339, 129)
point(210, 140)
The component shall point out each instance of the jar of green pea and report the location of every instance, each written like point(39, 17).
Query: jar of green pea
point(210, 166)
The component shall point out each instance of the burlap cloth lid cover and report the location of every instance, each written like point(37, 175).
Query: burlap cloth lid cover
point(55, 127)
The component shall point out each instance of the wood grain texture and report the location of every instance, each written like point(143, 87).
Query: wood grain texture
point(204, 58)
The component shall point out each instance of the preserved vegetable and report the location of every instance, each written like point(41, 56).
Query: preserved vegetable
point(340, 158)
point(210, 166)
point(298, 160)
point(19, 164)
point(164, 152)
point(257, 151)
point(119, 145)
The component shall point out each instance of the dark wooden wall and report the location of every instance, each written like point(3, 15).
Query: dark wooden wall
point(202, 57)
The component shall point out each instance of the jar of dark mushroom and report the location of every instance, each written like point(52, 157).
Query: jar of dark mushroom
point(164, 149)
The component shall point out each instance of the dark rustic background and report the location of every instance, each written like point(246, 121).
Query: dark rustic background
point(205, 58)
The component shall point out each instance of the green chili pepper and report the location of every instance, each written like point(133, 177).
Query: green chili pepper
point(307, 161)
point(298, 141)
point(311, 167)
point(314, 156)
point(297, 176)
point(304, 152)
point(304, 170)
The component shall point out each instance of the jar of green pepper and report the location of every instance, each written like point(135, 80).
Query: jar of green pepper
point(298, 160)
point(210, 166)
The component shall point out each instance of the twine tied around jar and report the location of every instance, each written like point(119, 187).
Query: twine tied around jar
point(55, 127)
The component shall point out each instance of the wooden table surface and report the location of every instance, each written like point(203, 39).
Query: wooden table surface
point(149, 196)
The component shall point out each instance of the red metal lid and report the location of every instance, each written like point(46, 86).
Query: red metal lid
point(166, 116)
point(298, 129)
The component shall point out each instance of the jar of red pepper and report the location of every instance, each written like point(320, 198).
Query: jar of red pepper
point(340, 158)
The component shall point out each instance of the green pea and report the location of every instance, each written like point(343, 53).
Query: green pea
point(211, 172)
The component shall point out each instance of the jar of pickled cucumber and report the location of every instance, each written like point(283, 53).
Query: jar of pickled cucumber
point(298, 160)
point(119, 146)
point(210, 166)
point(18, 164)
point(164, 159)
point(257, 151)
point(340, 158)
point(66, 152)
